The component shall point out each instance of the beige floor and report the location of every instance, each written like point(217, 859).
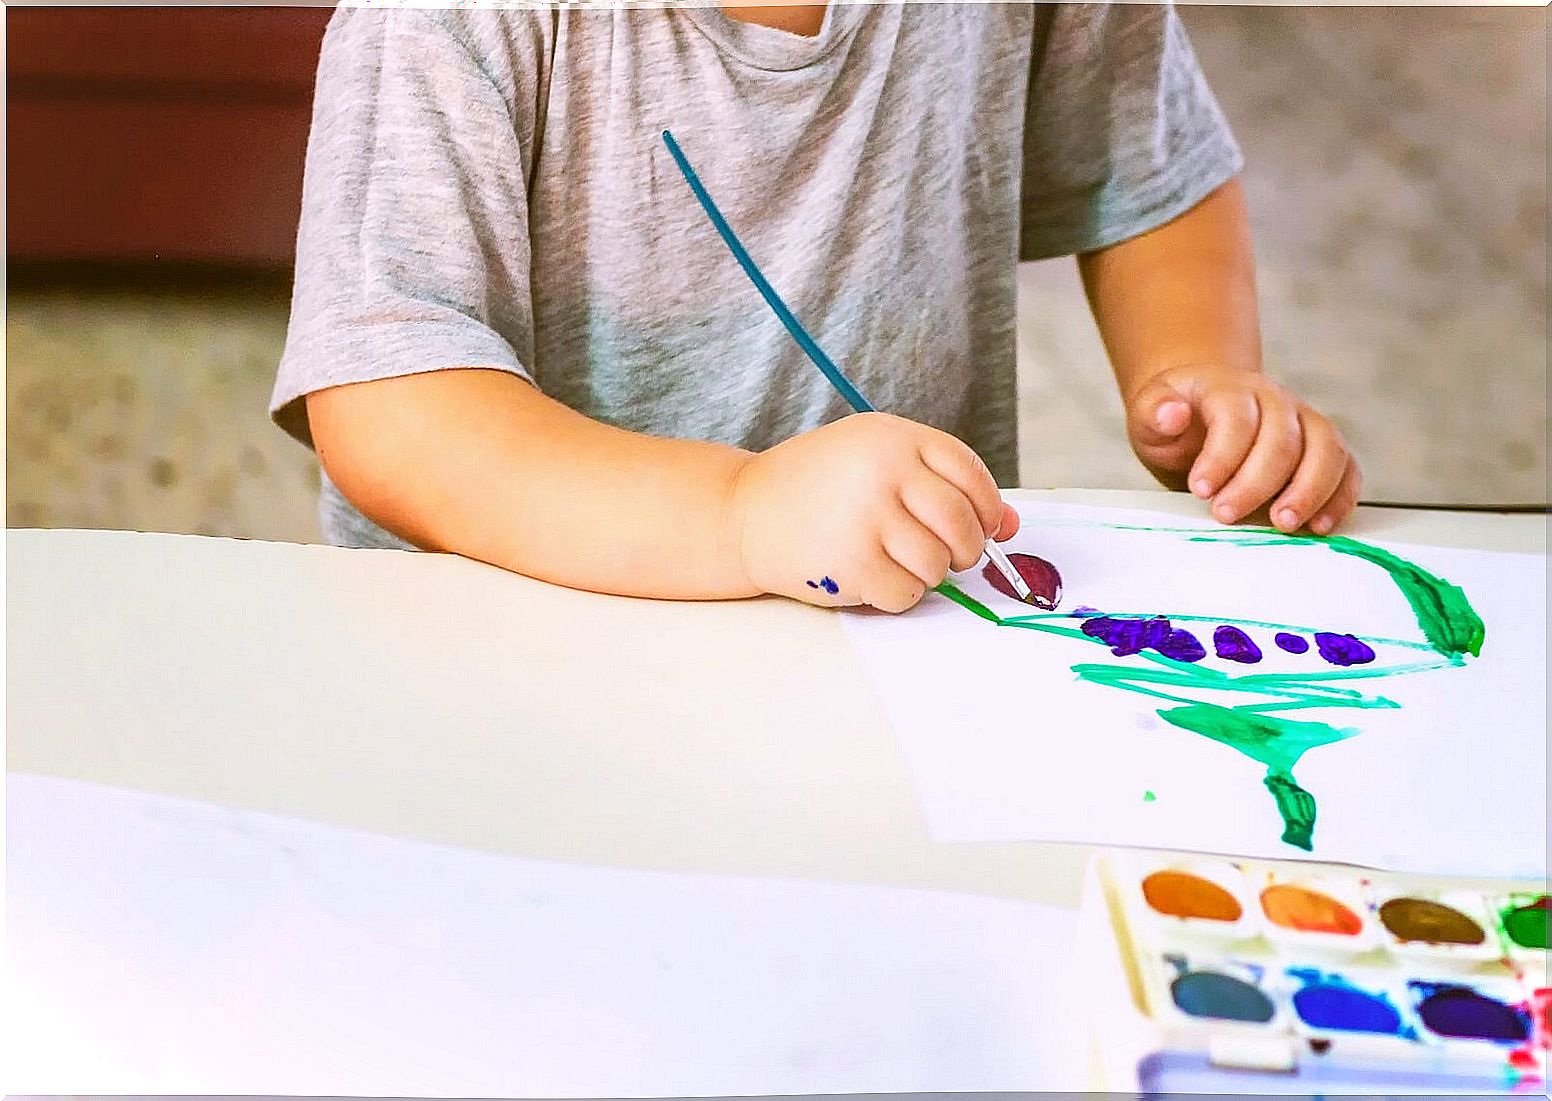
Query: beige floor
point(1397, 178)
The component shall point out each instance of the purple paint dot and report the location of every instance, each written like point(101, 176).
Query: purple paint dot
point(1232, 644)
point(1084, 612)
point(1155, 632)
point(1182, 645)
point(1124, 636)
point(829, 586)
point(1131, 636)
point(812, 584)
point(1343, 649)
point(1294, 644)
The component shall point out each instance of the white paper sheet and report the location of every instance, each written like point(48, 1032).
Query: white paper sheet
point(1006, 741)
point(159, 945)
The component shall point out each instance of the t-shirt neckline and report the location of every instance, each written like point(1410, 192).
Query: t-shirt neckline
point(769, 47)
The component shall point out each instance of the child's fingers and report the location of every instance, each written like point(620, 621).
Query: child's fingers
point(1008, 527)
point(947, 513)
point(1271, 462)
point(1232, 418)
point(1320, 473)
point(1342, 502)
point(962, 468)
point(916, 549)
point(890, 587)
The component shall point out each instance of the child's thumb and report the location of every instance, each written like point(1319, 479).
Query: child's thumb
point(1158, 415)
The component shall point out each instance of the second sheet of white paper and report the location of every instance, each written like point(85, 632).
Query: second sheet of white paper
point(164, 946)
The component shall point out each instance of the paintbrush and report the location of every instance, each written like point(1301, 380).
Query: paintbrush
point(810, 347)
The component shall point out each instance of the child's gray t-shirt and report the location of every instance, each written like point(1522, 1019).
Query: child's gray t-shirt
point(491, 188)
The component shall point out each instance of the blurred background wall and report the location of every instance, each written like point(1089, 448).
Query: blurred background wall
point(1397, 179)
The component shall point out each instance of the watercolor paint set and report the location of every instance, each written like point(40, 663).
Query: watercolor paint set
point(1241, 976)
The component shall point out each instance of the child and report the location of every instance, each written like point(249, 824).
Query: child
point(515, 335)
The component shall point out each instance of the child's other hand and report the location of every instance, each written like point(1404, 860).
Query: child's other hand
point(1241, 441)
point(871, 509)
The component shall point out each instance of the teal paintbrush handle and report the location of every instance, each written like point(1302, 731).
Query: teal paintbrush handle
point(810, 347)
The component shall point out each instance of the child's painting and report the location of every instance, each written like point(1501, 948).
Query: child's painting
point(1192, 686)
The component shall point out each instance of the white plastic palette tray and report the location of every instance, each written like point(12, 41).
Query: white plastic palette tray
point(1252, 976)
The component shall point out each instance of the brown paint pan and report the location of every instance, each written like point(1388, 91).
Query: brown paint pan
point(1436, 925)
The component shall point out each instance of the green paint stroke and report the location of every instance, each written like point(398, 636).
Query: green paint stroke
point(1444, 614)
point(1283, 692)
point(1446, 617)
point(965, 600)
point(1275, 742)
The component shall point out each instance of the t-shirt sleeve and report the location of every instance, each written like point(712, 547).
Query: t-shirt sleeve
point(1121, 132)
point(413, 248)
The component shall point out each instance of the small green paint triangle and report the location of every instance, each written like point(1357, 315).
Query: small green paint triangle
point(1148, 797)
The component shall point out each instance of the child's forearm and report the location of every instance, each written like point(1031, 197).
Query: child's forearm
point(1182, 294)
point(480, 463)
point(870, 509)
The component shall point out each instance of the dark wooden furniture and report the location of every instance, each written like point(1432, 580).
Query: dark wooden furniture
point(158, 134)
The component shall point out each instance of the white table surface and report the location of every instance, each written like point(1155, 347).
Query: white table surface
point(434, 698)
